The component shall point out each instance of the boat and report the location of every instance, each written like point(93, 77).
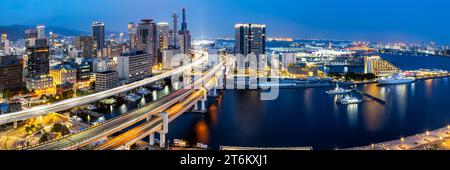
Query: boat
point(338, 90)
point(91, 107)
point(158, 86)
point(132, 97)
point(395, 79)
point(347, 99)
point(143, 91)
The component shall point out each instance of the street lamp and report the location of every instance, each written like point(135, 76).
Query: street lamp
point(428, 133)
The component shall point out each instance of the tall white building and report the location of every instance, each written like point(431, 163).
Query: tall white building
point(40, 31)
point(133, 66)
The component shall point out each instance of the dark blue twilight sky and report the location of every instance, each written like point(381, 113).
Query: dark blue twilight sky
point(375, 20)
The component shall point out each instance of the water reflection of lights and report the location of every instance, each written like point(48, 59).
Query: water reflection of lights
point(352, 112)
point(123, 108)
point(213, 113)
point(166, 90)
point(201, 129)
point(154, 95)
point(401, 99)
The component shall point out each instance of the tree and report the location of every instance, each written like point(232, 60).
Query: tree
point(44, 137)
point(60, 128)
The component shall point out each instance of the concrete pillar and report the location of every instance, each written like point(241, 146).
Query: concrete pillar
point(165, 117)
point(15, 124)
point(162, 140)
point(152, 139)
point(203, 105)
point(165, 130)
point(196, 106)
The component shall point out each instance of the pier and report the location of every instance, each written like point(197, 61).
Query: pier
point(374, 98)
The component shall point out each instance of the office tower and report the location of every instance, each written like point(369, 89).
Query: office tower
point(38, 58)
point(40, 31)
point(378, 66)
point(133, 66)
point(30, 36)
point(10, 72)
point(147, 39)
point(132, 35)
point(85, 44)
point(184, 36)
point(85, 69)
point(106, 80)
point(98, 32)
point(175, 30)
point(163, 35)
point(37, 66)
point(250, 38)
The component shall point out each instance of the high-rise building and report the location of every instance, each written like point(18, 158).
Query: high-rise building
point(132, 35)
point(133, 66)
point(10, 72)
point(38, 58)
point(98, 32)
point(250, 38)
point(30, 36)
point(378, 66)
point(40, 31)
point(85, 44)
point(184, 36)
point(175, 30)
point(163, 35)
point(147, 39)
point(106, 80)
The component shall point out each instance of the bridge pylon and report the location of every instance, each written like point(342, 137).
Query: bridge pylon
point(164, 130)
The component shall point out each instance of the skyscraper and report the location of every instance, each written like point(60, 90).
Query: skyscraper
point(163, 35)
point(85, 45)
point(164, 39)
point(98, 32)
point(40, 31)
point(30, 37)
point(38, 58)
point(132, 35)
point(184, 36)
point(147, 39)
point(250, 38)
point(175, 30)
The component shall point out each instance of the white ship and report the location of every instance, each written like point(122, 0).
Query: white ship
point(338, 90)
point(132, 97)
point(349, 100)
point(395, 79)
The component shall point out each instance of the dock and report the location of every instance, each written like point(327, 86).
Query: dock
point(374, 98)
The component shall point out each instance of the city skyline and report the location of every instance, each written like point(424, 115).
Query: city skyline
point(419, 21)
